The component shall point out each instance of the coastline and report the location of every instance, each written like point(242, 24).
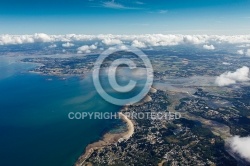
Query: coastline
point(107, 139)
point(113, 138)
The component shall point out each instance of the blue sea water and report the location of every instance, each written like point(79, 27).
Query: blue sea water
point(34, 124)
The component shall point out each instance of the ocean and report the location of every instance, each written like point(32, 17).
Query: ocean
point(34, 124)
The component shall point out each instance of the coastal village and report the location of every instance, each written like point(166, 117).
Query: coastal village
point(160, 142)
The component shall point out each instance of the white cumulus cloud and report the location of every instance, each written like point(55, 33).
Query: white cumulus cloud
point(138, 44)
point(240, 145)
point(208, 47)
point(244, 52)
point(109, 41)
point(226, 63)
point(228, 78)
point(248, 52)
point(241, 52)
point(86, 49)
point(42, 37)
point(68, 44)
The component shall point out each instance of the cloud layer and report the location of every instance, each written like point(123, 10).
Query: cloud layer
point(240, 145)
point(228, 78)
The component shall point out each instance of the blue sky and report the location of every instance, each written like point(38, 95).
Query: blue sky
point(227, 17)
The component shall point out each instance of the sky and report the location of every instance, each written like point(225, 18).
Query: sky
point(222, 17)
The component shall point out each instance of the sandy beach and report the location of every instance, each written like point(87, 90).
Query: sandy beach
point(107, 139)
